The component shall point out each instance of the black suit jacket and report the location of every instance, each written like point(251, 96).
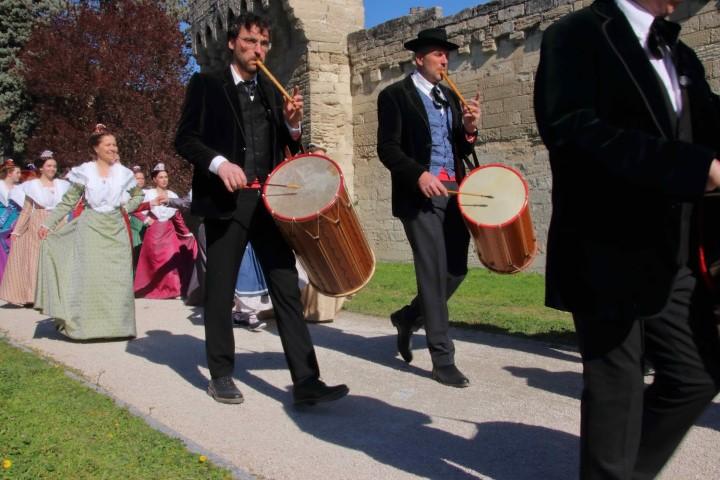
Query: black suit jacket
point(619, 173)
point(405, 143)
point(211, 125)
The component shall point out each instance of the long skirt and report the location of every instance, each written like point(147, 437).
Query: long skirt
point(85, 277)
point(5, 244)
point(251, 291)
point(165, 264)
point(20, 277)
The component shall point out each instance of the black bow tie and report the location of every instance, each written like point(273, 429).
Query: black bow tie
point(662, 34)
point(248, 87)
point(438, 100)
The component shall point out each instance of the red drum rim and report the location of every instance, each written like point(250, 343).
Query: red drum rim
point(512, 219)
point(327, 207)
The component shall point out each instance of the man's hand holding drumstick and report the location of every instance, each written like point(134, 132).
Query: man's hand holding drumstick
point(293, 109)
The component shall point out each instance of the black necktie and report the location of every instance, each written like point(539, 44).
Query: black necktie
point(662, 34)
point(438, 100)
point(248, 87)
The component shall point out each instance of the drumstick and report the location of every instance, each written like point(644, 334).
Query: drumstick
point(453, 87)
point(455, 192)
point(286, 185)
point(275, 82)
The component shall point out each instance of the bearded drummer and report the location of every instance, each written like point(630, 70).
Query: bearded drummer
point(423, 134)
point(234, 128)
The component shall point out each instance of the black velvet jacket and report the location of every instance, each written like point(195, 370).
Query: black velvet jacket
point(405, 143)
point(211, 125)
point(619, 173)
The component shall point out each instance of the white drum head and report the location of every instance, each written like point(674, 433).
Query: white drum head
point(319, 180)
point(506, 187)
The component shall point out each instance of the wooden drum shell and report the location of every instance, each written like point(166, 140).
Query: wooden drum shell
point(330, 244)
point(508, 246)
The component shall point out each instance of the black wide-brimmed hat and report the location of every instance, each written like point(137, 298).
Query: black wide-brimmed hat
point(431, 37)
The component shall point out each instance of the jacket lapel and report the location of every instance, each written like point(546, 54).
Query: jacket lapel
point(415, 100)
point(625, 45)
point(232, 97)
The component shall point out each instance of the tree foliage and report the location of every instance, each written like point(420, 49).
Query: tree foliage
point(17, 18)
point(120, 63)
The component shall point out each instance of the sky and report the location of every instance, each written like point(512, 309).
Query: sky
point(379, 11)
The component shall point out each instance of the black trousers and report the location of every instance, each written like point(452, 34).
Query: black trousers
point(226, 241)
point(629, 431)
point(439, 241)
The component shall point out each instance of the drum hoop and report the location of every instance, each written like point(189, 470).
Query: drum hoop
point(511, 220)
point(278, 216)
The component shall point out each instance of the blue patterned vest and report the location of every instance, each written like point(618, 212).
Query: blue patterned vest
point(441, 155)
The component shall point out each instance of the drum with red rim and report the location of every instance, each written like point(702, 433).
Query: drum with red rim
point(317, 220)
point(493, 200)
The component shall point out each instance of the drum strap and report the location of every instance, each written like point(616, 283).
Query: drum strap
point(471, 165)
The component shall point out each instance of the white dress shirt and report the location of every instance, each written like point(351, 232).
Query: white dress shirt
point(425, 87)
point(640, 21)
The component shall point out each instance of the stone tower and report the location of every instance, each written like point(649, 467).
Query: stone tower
point(309, 49)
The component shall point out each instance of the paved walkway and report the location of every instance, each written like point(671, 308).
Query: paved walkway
point(518, 420)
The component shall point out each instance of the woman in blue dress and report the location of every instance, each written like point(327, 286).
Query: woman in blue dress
point(11, 201)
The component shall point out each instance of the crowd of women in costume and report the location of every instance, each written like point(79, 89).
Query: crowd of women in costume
point(67, 244)
point(80, 249)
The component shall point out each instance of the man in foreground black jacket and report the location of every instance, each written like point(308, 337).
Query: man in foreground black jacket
point(633, 132)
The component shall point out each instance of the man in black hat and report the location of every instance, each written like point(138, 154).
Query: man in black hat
point(423, 135)
point(632, 129)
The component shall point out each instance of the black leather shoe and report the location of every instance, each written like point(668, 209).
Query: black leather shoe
point(405, 331)
point(315, 391)
point(450, 375)
point(223, 390)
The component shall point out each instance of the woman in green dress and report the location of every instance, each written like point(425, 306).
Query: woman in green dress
point(85, 273)
point(137, 223)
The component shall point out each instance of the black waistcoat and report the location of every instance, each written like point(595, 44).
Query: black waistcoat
point(682, 121)
point(257, 125)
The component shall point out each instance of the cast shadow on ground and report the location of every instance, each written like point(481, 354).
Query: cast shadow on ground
point(502, 339)
point(395, 436)
point(568, 384)
point(46, 329)
point(407, 440)
point(381, 350)
point(196, 315)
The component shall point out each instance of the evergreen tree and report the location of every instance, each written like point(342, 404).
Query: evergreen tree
point(17, 18)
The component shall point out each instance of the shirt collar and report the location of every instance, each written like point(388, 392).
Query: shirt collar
point(639, 19)
point(237, 78)
point(422, 83)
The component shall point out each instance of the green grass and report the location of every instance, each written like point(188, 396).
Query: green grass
point(54, 427)
point(510, 304)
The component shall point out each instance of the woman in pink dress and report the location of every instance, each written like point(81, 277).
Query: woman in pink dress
point(168, 249)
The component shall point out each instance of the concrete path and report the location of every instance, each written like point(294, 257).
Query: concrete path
point(518, 420)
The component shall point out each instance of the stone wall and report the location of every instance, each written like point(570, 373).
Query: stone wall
point(309, 50)
point(498, 55)
point(319, 46)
